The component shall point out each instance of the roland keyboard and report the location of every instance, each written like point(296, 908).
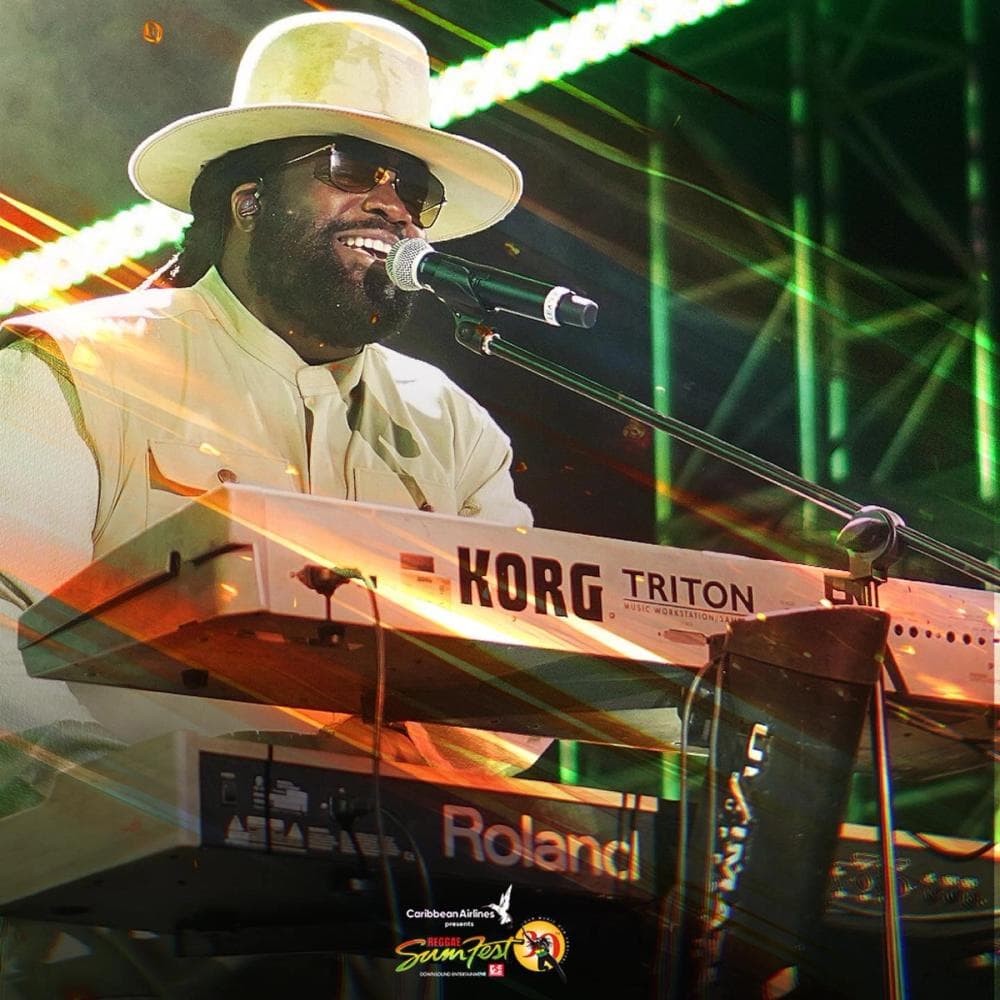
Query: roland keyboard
point(184, 833)
point(211, 837)
point(519, 629)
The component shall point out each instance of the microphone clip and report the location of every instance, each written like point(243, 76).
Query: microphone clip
point(473, 333)
point(457, 293)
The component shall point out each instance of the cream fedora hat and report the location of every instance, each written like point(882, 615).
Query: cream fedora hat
point(325, 74)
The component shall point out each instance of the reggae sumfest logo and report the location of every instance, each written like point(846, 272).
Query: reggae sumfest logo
point(538, 945)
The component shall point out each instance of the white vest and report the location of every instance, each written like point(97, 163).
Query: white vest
point(181, 389)
point(177, 390)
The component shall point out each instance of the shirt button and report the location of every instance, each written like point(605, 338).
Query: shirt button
point(228, 476)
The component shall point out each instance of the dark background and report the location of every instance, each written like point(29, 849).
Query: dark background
point(81, 88)
point(886, 79)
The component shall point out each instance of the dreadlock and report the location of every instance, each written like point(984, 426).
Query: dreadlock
point(205, 236)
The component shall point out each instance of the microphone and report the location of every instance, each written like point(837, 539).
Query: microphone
point(414, 264)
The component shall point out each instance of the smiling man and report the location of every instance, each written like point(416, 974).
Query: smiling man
point(261, 363)
point(259, 360)
point(305, 258)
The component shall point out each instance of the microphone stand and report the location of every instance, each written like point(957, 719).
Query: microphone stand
point(873, 536)
point(471, 332)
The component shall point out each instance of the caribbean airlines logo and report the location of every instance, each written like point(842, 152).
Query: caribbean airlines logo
point(502, 909)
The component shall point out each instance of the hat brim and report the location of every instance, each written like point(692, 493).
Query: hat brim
point(481, 185)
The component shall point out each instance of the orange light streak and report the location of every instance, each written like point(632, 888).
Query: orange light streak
point(943, 689)
point(49, 221)
point(456, 623)
point(452, 623)
point(58, 226)
point(18, 231)
point(153, 371)
point(89, 776)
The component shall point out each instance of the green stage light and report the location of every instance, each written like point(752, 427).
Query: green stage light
point(563, 48)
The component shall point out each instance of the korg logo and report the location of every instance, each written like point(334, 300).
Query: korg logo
point(512, 574)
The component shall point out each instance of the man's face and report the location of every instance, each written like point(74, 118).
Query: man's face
point(302, 262)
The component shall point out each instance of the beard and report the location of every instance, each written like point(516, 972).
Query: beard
point(302, 275)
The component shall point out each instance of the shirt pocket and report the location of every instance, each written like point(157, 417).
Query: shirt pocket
point(178, 471)
point(403, 490)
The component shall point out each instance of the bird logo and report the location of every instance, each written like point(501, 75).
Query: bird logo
point(502, 909)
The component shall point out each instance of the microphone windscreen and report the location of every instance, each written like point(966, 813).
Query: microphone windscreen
point(402, 262)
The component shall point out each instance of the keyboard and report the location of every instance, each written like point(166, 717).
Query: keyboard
point(258, 595)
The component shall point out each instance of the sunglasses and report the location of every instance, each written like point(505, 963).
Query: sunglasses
point(357, 166)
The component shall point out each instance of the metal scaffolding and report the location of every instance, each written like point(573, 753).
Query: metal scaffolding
point(838, 311)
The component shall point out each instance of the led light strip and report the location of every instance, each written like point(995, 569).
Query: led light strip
point(69, 260)
point(590, 37)
point(587, 38)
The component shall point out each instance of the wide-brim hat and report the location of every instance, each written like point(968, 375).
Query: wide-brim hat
point(326, 74)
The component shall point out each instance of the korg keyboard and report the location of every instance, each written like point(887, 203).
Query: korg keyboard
point(242, 595)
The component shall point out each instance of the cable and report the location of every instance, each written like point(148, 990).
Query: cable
point(432, 988)
point(916, 918)
point(672, 912)
point(925, 723)
point(943, 852)
point(711, 804)
point(389, 885)
point(907, 714)
point(326, 580)
point(425, 876)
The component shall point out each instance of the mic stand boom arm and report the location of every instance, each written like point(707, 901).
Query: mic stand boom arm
point(471, 332)
point(872, 536)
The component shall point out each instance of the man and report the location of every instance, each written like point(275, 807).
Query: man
point(263, 366)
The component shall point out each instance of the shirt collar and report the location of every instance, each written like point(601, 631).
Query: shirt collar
point(267, 347)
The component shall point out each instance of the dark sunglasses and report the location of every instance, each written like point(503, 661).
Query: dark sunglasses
point(359, 166)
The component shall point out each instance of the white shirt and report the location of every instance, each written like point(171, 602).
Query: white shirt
point(202, 383)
